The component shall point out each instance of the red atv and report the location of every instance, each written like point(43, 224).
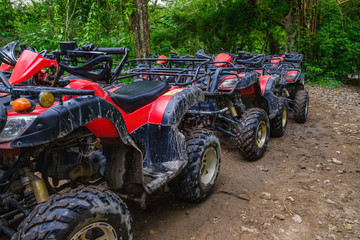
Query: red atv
point(237, 101)
point(31, 73)
point(64, 142)
point(255, 109)
point(288, 67)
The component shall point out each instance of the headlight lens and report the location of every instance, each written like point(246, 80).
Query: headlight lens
point(228, 83)
point(15, 126)
point(290, 76)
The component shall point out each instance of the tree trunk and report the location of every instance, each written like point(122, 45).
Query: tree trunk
point(139, 23)
point(290, 30)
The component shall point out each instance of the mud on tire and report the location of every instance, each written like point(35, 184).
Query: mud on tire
point(279, 122)
point(197, 179)
point(253, 134)
point(77, 213)
point(301, 106)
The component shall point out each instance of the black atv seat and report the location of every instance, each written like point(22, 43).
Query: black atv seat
point(138, 94)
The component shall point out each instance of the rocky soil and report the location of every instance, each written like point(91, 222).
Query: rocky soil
point(307, 185)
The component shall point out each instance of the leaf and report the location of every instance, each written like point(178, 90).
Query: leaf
point(324, 225)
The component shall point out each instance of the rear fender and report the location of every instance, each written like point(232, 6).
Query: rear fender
point(180, 103)
point(164, 144)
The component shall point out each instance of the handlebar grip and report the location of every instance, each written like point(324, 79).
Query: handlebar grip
point(114, 50)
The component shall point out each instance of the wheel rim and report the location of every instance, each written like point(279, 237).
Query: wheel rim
point(96, 231)
point(208, 165)
point(306, 108)
point(261, 133)
point(284, 117)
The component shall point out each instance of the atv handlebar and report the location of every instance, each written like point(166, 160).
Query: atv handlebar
point(98, 65)
point(88, 49)
point(252, 60)
point(7, 53)
point(113, 50)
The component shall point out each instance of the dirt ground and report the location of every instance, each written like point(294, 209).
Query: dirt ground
point(307, 185)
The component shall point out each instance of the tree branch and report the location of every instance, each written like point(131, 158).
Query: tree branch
point(159, 18)
point(154, 6)
point(339, 3)
point(343, 1)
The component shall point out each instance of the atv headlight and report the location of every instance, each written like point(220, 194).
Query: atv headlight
point(291, 76)
point(15, 126)
point(228, 83)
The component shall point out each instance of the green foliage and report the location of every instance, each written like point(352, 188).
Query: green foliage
point(6, 12)
point(185, 26)
point(43, 24)
point(318, 76)
point(211, 24)
point(333, 51)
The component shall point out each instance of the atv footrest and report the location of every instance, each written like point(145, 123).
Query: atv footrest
point(155, 177)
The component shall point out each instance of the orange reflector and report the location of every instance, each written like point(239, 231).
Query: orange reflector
point(161, 62)
point(22, 105)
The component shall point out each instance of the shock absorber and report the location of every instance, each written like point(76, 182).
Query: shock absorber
point(232, 109)
point(29, 195)
point(34, 186)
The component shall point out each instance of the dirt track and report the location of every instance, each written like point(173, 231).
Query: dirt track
point(305, 187)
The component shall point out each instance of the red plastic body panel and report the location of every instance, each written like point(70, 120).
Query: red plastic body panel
point(291, 72)
point(37, 111)
point(5, 67)
point(102, 127)
point(263, 82)
point(223, 58)
point(159, 106)
point(151, 113)
point(88, 85)
point(275, 60)
point(161, 62)
point(8, 153)
point(250, 90)
point(29, 63)
point(113, 89)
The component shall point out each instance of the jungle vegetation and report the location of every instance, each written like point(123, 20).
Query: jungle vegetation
point(327, 32)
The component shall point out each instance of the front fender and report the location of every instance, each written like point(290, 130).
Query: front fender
point(62, 119)
point(274, 102)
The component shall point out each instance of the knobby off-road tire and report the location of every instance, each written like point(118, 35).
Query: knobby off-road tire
point(301, 106)
point(253, 133)
point(279, 122)
point(76, 214)
point(197, 179)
